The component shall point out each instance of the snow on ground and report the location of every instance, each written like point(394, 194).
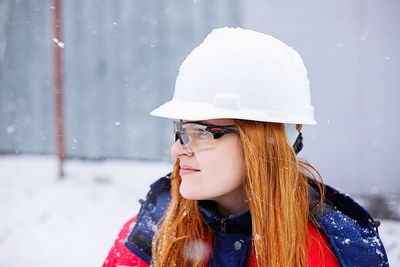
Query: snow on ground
point(73, 222)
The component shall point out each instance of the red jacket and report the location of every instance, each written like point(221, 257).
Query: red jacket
point(120, 255)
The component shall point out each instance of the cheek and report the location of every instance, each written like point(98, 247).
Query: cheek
point(221, 173)
point(224, 168)
point(219, 176)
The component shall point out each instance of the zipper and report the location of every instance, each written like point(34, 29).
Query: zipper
point(223, 226)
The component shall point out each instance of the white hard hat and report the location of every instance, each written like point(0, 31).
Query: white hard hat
point(241, 74)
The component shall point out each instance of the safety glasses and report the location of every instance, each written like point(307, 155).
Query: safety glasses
point(198, 136)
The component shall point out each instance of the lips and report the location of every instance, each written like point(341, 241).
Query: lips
point(185, 169)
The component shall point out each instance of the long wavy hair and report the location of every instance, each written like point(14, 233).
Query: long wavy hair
point(276, 187)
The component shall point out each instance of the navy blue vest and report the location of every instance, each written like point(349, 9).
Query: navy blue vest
point(349, 228)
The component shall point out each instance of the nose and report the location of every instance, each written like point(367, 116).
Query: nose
point(177, 149)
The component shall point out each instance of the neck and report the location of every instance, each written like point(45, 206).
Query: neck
point(232, 203)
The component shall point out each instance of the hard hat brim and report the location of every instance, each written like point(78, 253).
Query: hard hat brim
point(191, 111)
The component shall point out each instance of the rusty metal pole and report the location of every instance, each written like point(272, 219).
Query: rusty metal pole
point(58, 86)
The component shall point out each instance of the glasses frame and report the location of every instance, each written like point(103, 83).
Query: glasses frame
point(220, 130)
point(217, 131)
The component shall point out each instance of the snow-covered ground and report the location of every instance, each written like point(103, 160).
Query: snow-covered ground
point(45, 221)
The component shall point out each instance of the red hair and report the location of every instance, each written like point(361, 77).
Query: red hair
point(276, 187)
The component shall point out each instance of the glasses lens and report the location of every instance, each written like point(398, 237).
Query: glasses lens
point(193, 136)
point(183, 138)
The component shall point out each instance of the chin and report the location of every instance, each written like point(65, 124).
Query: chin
point(188, 193)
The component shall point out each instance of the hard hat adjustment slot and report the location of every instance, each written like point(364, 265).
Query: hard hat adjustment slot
point(226, 101)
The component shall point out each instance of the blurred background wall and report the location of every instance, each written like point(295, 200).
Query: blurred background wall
point(121, 59)
point(351, 49)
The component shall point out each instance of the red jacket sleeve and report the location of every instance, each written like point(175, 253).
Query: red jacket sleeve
point(320, 253)
point(120, 255)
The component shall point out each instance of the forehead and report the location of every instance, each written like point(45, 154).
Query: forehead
point(221, 122)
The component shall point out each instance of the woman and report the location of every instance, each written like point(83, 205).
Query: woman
point(238, 195)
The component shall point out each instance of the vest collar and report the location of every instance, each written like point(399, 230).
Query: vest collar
point(238, 223)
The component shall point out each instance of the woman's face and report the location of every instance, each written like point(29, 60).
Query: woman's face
point(213, 173)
